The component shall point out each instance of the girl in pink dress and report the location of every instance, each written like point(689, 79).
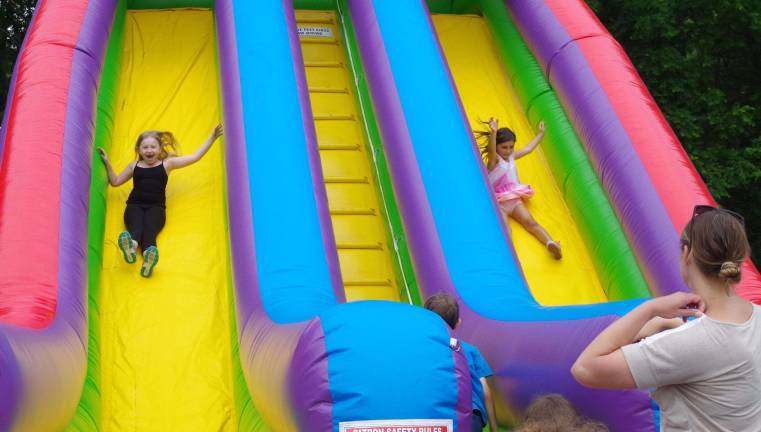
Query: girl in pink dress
point(510, 192)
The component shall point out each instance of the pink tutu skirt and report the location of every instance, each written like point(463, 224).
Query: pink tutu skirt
point(511, 195)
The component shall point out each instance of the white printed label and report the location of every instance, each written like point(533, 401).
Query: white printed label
point(422, 425)
point(325, 32)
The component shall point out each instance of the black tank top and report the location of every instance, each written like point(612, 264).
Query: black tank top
point(149, 186)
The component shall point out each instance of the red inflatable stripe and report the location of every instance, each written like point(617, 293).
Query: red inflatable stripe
point(674, 176)
point(31, 167)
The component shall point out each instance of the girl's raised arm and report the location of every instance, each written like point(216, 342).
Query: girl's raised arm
point(531, 145)
point(491, 146)
point(113, 179)
point(183, 161)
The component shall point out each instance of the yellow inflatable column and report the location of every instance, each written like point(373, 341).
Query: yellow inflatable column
point(355, 207)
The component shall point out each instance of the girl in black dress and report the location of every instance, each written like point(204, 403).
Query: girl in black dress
point(145, 214)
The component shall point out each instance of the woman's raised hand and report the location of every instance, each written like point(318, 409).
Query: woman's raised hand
point(678, 305)
point(102, 153)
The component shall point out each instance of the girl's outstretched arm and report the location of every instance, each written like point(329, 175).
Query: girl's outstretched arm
point(491, 146)
point(531, 145)
point(183, 161)
point(113, 179)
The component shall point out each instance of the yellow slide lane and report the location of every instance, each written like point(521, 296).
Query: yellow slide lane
point(484, 90)
point(355, 207)
point(165, 341)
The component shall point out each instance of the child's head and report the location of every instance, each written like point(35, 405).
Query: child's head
point(446, 307)
point(157, 144)
point(505, 141)
point(553, 411)
point(716, 241)
point(592, 426)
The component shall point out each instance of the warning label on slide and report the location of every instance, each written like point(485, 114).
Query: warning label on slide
point(421, 425)
point(325, 32)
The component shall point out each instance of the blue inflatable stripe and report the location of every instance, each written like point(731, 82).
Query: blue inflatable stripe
point(294, 279)
point(425, 372)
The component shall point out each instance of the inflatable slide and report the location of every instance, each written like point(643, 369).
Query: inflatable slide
point(225, 335)
point(348, 186)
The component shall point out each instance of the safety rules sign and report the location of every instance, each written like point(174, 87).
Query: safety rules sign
point(311, 31)
point(397, 426)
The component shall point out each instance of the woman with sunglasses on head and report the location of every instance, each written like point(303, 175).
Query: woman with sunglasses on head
point(706, 371)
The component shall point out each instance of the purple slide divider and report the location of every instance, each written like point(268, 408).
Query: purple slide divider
point(530, 358)
point(411, 197)
point(315, 406)
point(634, 197)
point(464, 394)
point(43, 371)
point(248, 300)
point(255, 329)
point(314, 156)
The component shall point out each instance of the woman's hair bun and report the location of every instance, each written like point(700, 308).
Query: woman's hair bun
point(729, 270)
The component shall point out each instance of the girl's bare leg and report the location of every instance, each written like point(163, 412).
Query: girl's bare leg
point(522, 215)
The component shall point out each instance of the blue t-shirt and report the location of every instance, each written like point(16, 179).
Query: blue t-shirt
point(478, 369)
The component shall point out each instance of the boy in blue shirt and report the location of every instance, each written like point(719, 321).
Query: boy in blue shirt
point(483, 406)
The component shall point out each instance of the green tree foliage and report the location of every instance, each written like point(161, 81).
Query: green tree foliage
point(14, 17)
point(701, 60)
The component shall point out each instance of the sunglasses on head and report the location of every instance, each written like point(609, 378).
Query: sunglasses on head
point(703, 208)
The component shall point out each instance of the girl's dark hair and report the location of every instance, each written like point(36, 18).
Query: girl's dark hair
point(503, 135)
point(718, 243)
point(445, 306)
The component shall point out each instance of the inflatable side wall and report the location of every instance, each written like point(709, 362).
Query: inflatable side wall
point(44, 192)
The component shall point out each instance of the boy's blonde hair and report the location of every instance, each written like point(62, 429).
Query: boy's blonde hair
point(549, 413)
point(167, 143)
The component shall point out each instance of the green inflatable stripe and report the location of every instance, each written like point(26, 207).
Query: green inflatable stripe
point(248, 416)
point(453, 6)
point(403, 265)
point(612, 256)
point(314, 4)
point(170, 4)
point(88, 414)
